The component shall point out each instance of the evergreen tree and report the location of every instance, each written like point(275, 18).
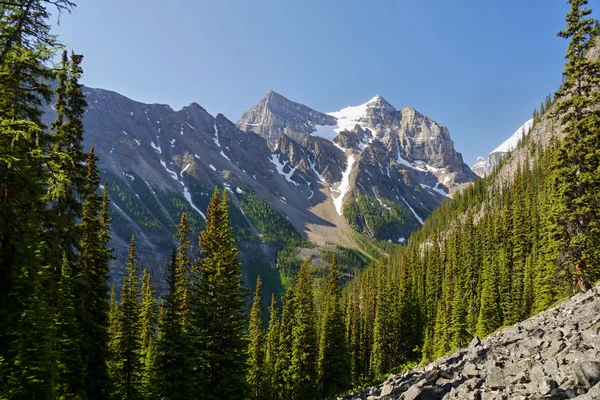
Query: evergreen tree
point(271, 351)
point(114, 336)
point(67, 157)
point(490, 316)
point(305, 348)
point(70, 365)
point(172, 373)
point(283, 370)
point(91, 283)
point(128, 377)
point(575, 214)
point(256, 346)
point(148, 321)
point(334, 358)
point(220, 342)
point(355, 339)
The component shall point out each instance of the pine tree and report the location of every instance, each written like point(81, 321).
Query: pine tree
point(575, 214)
point(385, 332)
point(70, 364)
point(172, 372)
point(26, 49)
point(220, 342)
point(355, 339)
point(334, 358)
point(114, 336)
point(256, 346)
point(183, 272)
point(91, 283)
point(305, 348)
point(172, 366)
point(283, 370)
point(67, 158)
point(148, 321)
point(271, 351)
point(127, 379)
point(490, 316)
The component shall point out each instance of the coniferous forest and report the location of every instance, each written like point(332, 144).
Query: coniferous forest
point(499, 252)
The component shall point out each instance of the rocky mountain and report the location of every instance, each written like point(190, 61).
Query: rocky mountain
point(554, 355)
point(383, 170)
point(291, 172)
point(484, 167)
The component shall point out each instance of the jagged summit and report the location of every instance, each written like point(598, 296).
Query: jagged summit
point(276, 115)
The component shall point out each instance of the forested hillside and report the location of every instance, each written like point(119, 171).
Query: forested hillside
point(504, 249)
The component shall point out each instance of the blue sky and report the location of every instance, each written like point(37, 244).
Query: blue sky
point(478, 67)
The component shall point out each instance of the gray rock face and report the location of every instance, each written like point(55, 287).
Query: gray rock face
point(404, 166)
point(480, 167)
point(554, 355)
point(276, 116)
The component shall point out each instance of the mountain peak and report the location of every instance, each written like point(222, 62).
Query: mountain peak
point(378, 101)
point(273, 96)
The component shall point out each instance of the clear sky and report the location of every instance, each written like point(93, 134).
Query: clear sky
point(478, 67)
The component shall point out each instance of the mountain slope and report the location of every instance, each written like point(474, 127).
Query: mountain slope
point(368, 170)
point(484, 167)
point(553, 354)
point(384, 170)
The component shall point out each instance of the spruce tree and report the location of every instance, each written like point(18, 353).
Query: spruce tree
point(575, 215)
point(148, 322)
point(70, 364)
point(490, 316)
point(256, 347)
point(305, 347)
point(128, 377)
point(271, 351)
point(172, 372)
point(67, 158)
point(91, 283)
point(334, 358)
point(283, 369)
point(219, 313)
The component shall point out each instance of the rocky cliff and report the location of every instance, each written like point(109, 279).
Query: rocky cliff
point(554, 355)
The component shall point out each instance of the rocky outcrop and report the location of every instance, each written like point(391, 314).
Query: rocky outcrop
point(480, 167)
point(275, 116)
point(554, 355)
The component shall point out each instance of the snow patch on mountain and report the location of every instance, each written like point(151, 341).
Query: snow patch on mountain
point(216, 137)
point(414, 212)
point(511, 143)
point(344, 186)
point(347, 119)
point(275, 160)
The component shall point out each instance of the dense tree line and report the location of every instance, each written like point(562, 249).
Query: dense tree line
point(54, 225)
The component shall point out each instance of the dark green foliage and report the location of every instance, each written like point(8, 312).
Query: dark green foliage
point(219, 316)
point(574, 238)
point(283, 359)
point(92, 288)
point(273, 226)
point(305, 347)
point(127, 376)
point(334, 358)
point(370, 216)
point(172, 372)
point(70, 365)
point(256, 375)
point(148, 323)
point(272, 352)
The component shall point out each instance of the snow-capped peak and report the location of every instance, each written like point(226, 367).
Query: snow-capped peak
point(511, 143)
point(349, 117)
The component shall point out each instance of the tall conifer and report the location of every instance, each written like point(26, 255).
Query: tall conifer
point(305, 347)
